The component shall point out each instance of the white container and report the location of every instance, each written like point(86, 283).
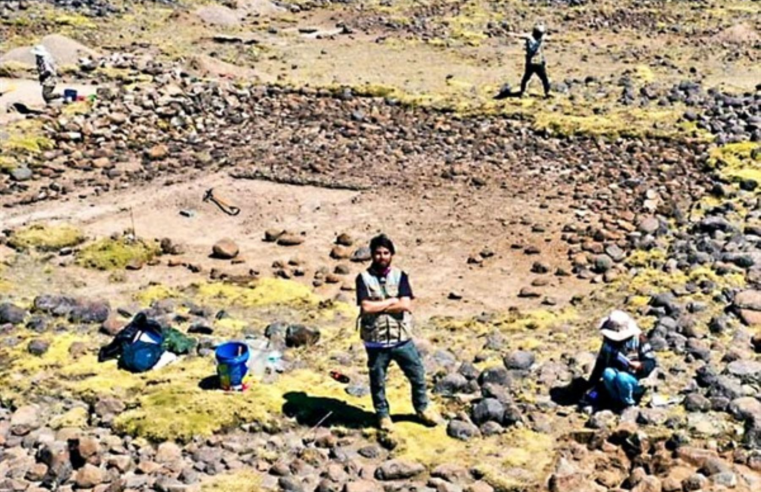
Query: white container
point(257, 359)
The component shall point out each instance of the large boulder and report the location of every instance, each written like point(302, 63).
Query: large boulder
point(748, 299)
point(747, 371)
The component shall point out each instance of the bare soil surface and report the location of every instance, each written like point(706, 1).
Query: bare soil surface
point(435, 234)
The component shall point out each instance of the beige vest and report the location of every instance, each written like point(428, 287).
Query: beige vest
point(385, 328)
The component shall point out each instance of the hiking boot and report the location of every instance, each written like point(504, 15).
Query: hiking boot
point(385, 424)
point(429, 418)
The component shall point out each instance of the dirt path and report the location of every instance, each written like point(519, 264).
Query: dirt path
point(435, 235)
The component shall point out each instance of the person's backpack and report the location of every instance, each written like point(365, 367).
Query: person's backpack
point(140, 356)
point(138, 345)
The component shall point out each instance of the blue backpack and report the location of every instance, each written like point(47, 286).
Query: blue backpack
point(134, 352)
point(140, 356)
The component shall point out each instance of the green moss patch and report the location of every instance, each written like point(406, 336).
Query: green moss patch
point(109, 254)
point(44, 237)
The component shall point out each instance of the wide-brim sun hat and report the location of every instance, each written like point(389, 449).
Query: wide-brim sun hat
point(619, 326)
point(39, 50)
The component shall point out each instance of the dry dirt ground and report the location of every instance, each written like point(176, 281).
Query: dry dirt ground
point(435, 234)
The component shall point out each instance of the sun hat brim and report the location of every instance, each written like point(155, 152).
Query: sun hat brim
point(630, 328)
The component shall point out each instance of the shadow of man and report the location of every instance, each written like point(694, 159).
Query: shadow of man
point(309, 410)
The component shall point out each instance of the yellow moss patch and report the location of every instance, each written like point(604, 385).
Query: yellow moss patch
point(178, 409)
point(75, 20)
point(240, 481)
point(108, 254)
point(500, 480)
point(734, 161)
point(45, 237)
point(266, 291)
point(26, 136)
point(633, 122)
point(644, 73)
point(155, 293)
point(642, 258)
point(79, 107)
point(76, 417)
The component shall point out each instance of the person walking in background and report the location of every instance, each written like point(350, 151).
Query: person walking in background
point(535, 63)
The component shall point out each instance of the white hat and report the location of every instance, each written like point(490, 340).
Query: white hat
point(39, 50)
point(619, 326)
point(540, 27)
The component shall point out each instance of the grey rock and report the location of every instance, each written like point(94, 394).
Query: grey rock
point(38, 347)
point(488, 409)
point(90, 312)
point(398, 469)
point(519, 360)
point(361, 254)
point(10, 313)
point(301, 336)
point(747, 371)
point(451, 384)
point(21, 173)
point(464, 431)
point(495, 375)
point(745, 408)
point(695, 402)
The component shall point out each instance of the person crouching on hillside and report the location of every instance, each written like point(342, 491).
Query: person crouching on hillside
point(385, 299)
point(46, 71)
point(624, 359)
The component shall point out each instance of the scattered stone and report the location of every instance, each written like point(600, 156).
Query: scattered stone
point(290, 240)
point(225, 249)
point(519, 360)
point(398, 470)
point(301, 336)
point(38, 347)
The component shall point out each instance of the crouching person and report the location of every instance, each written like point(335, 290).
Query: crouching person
point(385, 299)
point(625, 358)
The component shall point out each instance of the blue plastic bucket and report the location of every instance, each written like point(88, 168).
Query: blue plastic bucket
point(231, 365)
point(69, 95)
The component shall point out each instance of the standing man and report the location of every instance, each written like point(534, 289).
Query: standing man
point(535, 62)
point(385, 298)
point(47, 73)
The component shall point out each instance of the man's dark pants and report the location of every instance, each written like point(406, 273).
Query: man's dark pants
point(408, 358)
point(540, 70)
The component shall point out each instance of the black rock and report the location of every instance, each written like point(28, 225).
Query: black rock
point(488, 409)
point(10, 313)
point(37, 324)
point(719, 324)
point(494, 375)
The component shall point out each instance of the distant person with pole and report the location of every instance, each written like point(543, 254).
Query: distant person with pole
point(535, 63)
point(385, 298)
point(46, 71)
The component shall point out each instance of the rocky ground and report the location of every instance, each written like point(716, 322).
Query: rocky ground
point(521, 222)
